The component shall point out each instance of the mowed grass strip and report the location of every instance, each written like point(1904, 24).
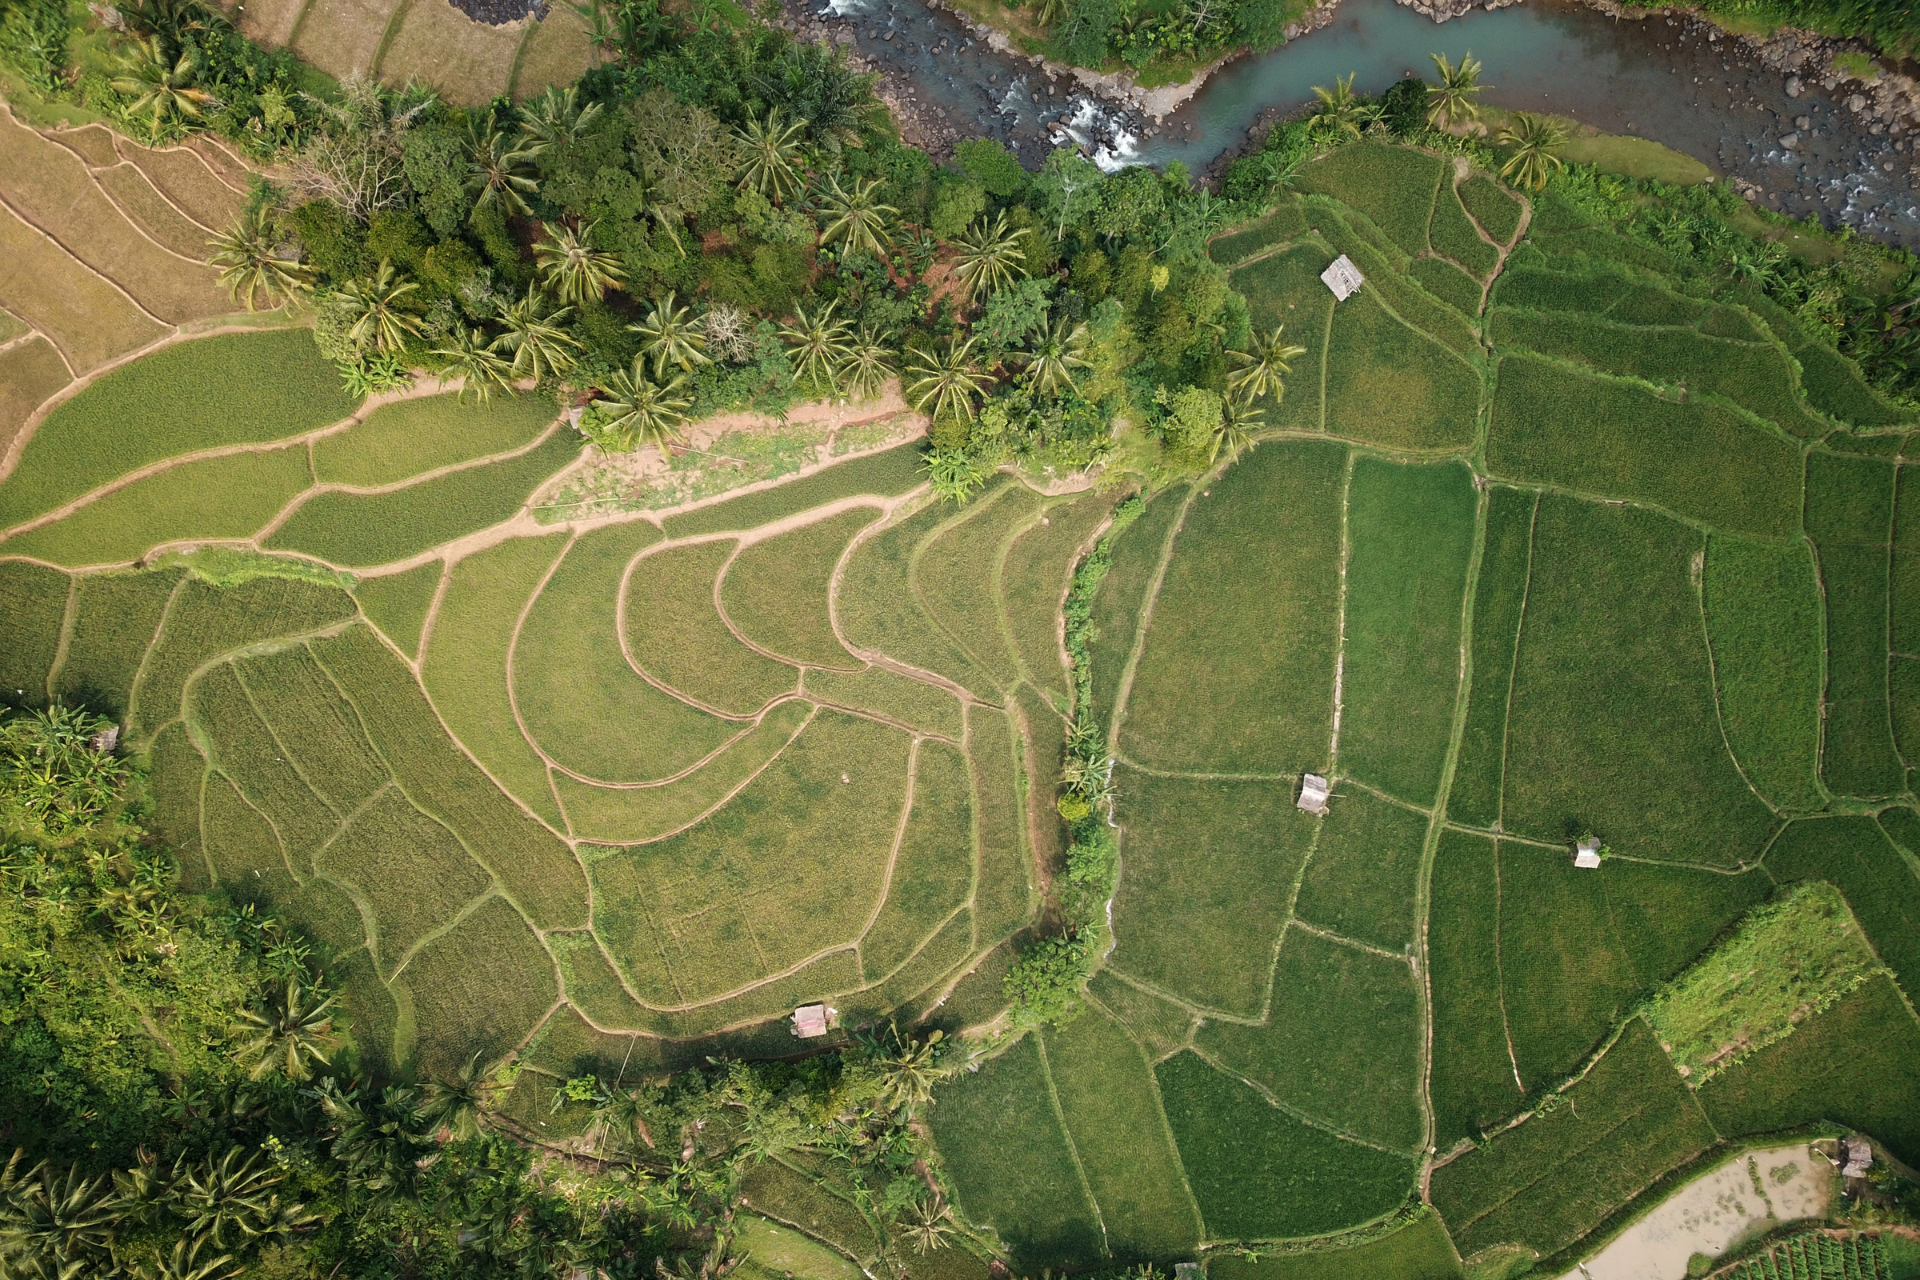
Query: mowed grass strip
point(1112, 1110)
point(628, 731)
point(1004, 897)
point(1277, 227)
point(676, 634)
point(1033, 583)
point(1410, 530)
point(479, 989)
point(398, 603)
point(908, 990)
point(1506, 558)
point(1701, 460)
point(531, 863)
point(1159, 1026)
point(1448, 283)
point(1613, 727)
point(240, 847)
point(205, 620)
point(1418, 1251)
point(115, 617)
point(1496, 210)
point(1471, 1085)
point(235, 388)
point(879, 610)
point(1390, 385)
point(1558, 1176)
point(176, 777)
point(1341, 1042)
point(29, 373)
point(227, 497)
point(1850, 515)
point(1856, 1064)
point(464, 668)
point(625, 815)
point(243, 747)
point(1763, 625)
point(1121, 601)
point(410, 437)
point(1257, 1173)
point(1011, 1167)
point(1210, 869)
point(1757, 376)
point(408, 868)
point(1237, 672)
point(886, 474)
point(917, 704)
point(315, 727)
point(1581, 950)
point(381, 528)
point(1853, 854)
point(1395, 186)
point(1364, 875)
point(952, 570)
point(933, 872)
point(776, 591)
point(1453, 235)
point(33, 609)
point(793, 864)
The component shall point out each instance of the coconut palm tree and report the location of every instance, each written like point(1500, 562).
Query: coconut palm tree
point(289, 1035)
point(453, 1106)
point(857, 217)
point(187, 1263)
point(771, 148)
point(1261, 370)
point(1055, 355)
point(670, 334)
point(570, 265)
point(160, 83)
point(946, 379)
point(497, 164)
point(817, 344)
point(990, 256)
point(535, 335)
point(227, 1199)
point(54, 1224)
point(251, 264)
point(866, 367)
point(1534, 139)
point(472, 357)
point(1340, 111)
point(1457, 98)
point(930, 1224)
point(376, 308)
point(1239, 419)
point(637, 411)
point(909, 1073)
point(554, 119)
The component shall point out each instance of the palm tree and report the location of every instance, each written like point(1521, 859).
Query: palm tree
point(1050, 12)
point(554, 119)
point(55, 1224)
point(471, 356)
point(535, 336)
point(228, 1195)
point(637, 411)
point(954, 474)
point(1261, 369)
point(866, 367)
point(570, 265)
point(290, 1034)
point(930, 1226)
point(945, 380)
point(1340, 109)
point(160, 84)
point(1239, 419)
point(1458, 96)
point(772, 150)
point(857, 218)
point(816, 86)
point(990, 256)
point(376, 307)
point(1059, 351)
point(909, 1073)
point(1534, 138)
point(251, 264)
point(670, 334)
point(185, 1263)
point(454, 1106)
point(818, 345)
point(497, 165)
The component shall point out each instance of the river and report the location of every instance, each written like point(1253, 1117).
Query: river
point(1672, 80)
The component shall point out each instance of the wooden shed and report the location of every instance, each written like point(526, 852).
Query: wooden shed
point(812, 1020)
point(1343, 278)
point(1586, 854)
point(1313, 794)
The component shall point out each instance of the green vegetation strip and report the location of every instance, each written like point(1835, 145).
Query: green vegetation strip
point(886, 474)
point(410, 437)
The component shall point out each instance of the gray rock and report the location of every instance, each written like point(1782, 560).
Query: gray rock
point(1803, 122)
point(1856, 103)
point(1793, 86)
point(1789, 139)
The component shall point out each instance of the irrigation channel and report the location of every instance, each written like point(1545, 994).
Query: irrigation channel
point(1670, 79)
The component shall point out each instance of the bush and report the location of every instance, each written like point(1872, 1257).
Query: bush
point(1045, 984)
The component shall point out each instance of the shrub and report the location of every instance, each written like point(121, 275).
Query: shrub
point(1045, 985)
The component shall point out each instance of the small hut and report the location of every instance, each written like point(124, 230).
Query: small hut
point(1856, 1156)
point(1343, 278)
point(1586, 854)
point(1313, 794)
point(811, 1021)
point(106, 740)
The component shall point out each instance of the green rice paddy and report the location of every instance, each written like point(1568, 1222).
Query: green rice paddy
point(1623, 557)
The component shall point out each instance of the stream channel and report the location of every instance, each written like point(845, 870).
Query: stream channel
point(1673, 80)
